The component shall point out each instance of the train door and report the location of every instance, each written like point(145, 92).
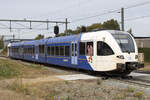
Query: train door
point(74, 58)
point(36, 54)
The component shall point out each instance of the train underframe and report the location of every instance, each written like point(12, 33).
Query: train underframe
point(125, 69)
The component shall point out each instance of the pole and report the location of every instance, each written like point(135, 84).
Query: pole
point(13, 37)
point(30, 25)
point(122, 18)
point(10, 25)
point(66, 26)
point(47, 25)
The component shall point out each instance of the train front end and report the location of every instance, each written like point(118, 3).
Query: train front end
point(127, 58)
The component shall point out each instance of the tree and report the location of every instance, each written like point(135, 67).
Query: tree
point(39, 37)
point(1, 43)
point(94, 26)
point(111, 25)
point(49, 37)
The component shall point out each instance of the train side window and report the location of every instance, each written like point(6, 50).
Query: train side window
point(49, 50)
point(23, 50)
point(72, 49)
point(75, 49)
point(28, 50)
point(67, 51)
point(41, 49)
point(103, 49)
point(82, 48)
point(57, 50)
point(33, 51)
point(61, 50)
point(52, 51)
point(89, 48)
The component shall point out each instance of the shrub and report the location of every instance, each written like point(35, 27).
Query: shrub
point(99, 81)
point(139, 94)
point(130, 89)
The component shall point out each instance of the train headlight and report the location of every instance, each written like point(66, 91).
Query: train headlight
point(120, 56)
point(136, 56)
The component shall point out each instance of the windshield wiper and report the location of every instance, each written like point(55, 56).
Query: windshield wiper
point(128, 51)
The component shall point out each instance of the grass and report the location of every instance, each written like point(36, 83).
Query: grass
point(18, 86)
point(15, 68)
point(7, 71)
point(146, 52)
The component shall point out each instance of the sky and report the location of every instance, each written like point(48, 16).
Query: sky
point(58, 10)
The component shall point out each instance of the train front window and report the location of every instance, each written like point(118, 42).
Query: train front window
point(125, 42)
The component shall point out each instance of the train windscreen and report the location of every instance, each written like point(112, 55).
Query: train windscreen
point(125, 42)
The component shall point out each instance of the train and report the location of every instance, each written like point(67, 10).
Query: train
point(107, 51)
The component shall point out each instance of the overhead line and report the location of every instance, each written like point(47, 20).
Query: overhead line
point(4, 25)
point(111, 11)
point(21, 25)
point(32, 21)
point(137, 5)
point(108, 12)
point(136, 18)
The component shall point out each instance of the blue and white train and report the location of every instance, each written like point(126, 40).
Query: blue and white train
point(107, 51)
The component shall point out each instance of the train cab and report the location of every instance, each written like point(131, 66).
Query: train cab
point(112, 51)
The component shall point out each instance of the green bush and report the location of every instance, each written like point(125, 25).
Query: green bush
point(146, 52)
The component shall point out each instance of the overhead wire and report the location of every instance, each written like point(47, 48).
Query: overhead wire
point(136, 18)
point(111, 11)
point(105, 13)
point(4, 25)
point(21, 25)
point(137, 5)
point(84, 18)
point(69, 6)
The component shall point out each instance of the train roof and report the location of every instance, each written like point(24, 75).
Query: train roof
point(64, 39)
point(31, 42)
point(15, 44)
point(116, 32)
point(74, 37)
point(42, 41)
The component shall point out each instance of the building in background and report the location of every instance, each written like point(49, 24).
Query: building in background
point(143, 42)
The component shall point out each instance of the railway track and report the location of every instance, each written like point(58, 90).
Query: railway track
point(142, 71)
point(145, 84)
point(134, 81)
